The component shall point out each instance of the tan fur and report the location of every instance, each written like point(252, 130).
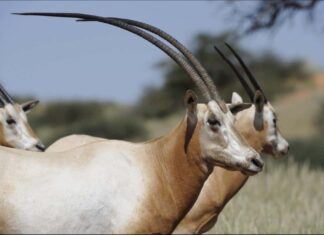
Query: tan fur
point(177, 179)
point(3, 141)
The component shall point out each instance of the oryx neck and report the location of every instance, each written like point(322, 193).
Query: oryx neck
point(180, 175)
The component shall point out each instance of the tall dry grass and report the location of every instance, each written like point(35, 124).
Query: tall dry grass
point(283, 199)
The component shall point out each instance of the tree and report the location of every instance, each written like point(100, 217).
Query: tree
point(270, 14)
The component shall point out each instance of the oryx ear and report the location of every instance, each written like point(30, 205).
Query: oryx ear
point(190, 101)
point(26, 107)
point(235, 108)
point(259, 101)
point(236, 98)
point(259, 104)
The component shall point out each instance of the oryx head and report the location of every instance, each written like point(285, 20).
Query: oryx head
point(220, 143)
point(259, 122)
point(15, 131)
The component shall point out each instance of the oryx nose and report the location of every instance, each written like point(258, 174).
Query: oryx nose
point(285, 151)
point(40, 147)
point(258, 162)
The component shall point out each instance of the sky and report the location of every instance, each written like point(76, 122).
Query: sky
point(60, 59)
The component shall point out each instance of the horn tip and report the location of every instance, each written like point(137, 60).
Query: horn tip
point(21, 13)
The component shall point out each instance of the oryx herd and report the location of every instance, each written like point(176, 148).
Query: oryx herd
point(178, 183)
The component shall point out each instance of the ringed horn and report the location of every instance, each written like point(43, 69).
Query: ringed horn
point(240, 77)
point(6, 96)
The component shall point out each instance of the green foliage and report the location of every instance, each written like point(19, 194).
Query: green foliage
point(309, 151)
point(68, 112)
point(59, 119)
point(320, 119)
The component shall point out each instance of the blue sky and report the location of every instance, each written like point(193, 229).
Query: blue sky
point(52, 58)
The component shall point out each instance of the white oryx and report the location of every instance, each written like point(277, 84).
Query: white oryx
point(15, 131)
point(258, 125)
point(121, 187)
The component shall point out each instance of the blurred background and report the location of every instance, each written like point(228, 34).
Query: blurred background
point(99, 80)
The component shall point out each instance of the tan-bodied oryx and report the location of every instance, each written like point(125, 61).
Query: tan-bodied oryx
point(15, 131)
point(116, 186)
point(258, 125)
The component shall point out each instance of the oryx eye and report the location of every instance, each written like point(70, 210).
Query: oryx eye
point(274, 121)
point(11, 121)
point(212, 121)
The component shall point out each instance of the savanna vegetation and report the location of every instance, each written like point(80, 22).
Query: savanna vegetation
point(280, 200)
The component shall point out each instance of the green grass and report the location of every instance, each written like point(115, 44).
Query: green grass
point(283, 199)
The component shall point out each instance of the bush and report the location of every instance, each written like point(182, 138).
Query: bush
point(55, 120)
point(320, 118)
point(309, 151)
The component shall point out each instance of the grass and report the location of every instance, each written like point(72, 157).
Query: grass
point(283, 199)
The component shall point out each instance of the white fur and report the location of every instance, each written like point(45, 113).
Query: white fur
point(93, 197)
point(233, 140)
point(273, 134)
point(236, 98)
point(269, 116)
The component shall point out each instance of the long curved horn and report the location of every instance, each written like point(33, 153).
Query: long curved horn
point(183, 63)
point(239, 76)
point(2, 102)
point(6, 96)
point(174, 42)
point(247, 71)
